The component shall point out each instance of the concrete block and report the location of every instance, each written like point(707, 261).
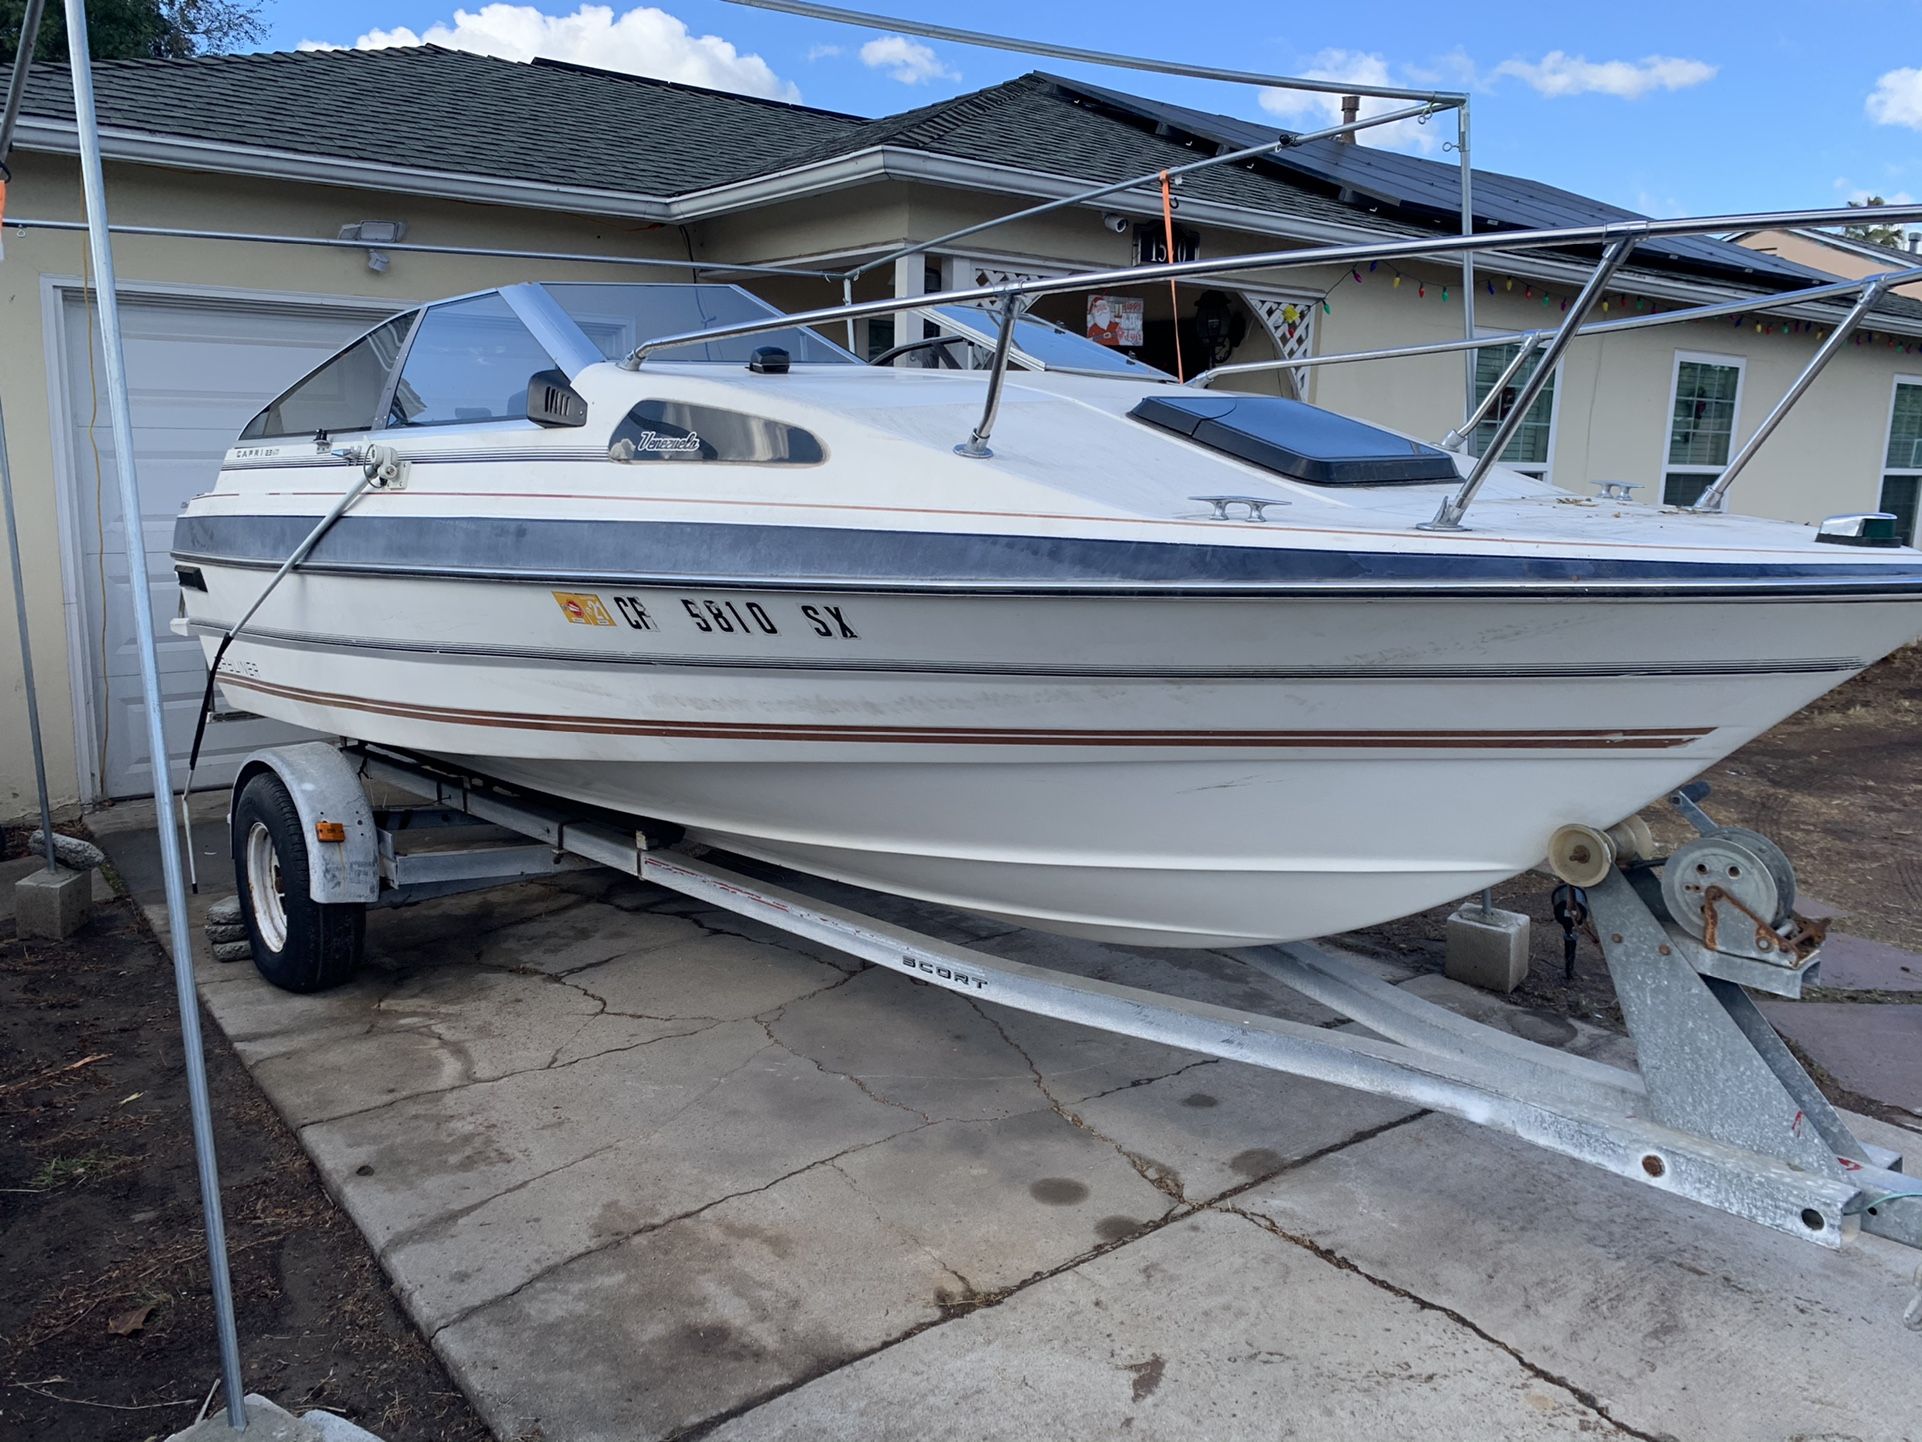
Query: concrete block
point(265, 1423)
point(334, 1428)
point(52, 904)
point(1488, 949)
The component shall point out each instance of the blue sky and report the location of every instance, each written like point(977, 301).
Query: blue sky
point(1670, 108)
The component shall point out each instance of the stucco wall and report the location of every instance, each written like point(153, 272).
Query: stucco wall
point(48, 187)
point(1613, 411)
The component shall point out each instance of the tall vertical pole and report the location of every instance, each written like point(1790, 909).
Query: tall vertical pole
point(26, 645)
point(113, 362)
point(1468, 256)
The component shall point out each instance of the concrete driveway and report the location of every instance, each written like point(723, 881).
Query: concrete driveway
point(643, 1170)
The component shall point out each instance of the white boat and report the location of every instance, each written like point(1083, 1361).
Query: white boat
point(1149, 663)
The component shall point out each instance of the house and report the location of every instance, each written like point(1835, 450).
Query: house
point(1838, 255)
point(468, 151)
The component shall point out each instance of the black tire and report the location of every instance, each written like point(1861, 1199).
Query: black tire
point(319, 943)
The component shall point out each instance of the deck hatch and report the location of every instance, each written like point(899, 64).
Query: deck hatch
point(1301, 442)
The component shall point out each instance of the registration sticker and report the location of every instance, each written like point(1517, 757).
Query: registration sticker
point(583, 609)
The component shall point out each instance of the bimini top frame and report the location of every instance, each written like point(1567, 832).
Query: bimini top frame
point(1618, 238)
point(1431, 101)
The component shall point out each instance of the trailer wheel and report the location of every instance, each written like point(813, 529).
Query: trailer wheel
point(299, 944)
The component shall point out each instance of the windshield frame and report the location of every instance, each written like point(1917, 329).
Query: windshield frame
point(985, 336)
point(556, 315)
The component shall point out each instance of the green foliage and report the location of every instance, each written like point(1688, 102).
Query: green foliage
point(1889, 235)
point(137, 29)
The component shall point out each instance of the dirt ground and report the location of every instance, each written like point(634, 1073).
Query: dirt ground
point(1835, 785)
point(106, 1321)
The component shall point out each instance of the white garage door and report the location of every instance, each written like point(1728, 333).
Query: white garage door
point(197, 370)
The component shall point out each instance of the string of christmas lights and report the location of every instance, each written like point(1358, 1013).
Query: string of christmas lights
point(1612, 304)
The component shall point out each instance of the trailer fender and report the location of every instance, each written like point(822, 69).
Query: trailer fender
point(343, 851)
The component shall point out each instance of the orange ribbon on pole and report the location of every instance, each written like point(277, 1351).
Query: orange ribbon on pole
point(1174, 304)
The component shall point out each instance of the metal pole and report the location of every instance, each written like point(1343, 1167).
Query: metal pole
point(976, 445)
point(1714, 498)
point(1092, 57)
point(1458, 437)
point(1153, 177)
point(113, 361)
point(1468, 256)
point(17, 87)
point(1349, 255)
point(1748, 305)
point(26, 642)
point(1449, 516)
point(488, 252)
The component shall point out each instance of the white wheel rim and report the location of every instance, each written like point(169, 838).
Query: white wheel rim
point(264, 887)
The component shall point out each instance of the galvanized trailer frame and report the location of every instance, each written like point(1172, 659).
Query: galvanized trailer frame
point(1719, 1111)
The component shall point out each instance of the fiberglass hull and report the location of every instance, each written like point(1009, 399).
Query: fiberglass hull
point(1174, 770)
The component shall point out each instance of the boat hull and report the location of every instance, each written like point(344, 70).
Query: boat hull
point(1149, 769)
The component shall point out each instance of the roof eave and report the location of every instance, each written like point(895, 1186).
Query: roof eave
point(138, 147)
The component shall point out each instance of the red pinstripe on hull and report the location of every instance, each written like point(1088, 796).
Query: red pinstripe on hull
point(1545, 739)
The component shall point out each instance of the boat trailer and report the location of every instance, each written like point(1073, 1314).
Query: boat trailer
point(1719, 1111)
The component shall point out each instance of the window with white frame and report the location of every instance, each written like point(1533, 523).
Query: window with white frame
point(1902, 467)
point(1532, 448)
point(1704, 405)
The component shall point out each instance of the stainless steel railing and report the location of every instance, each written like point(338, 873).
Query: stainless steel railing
point(1617, 237)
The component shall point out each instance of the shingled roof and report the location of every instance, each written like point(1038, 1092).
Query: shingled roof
point(1034, 123)
point(429, 109)
point(423, 107)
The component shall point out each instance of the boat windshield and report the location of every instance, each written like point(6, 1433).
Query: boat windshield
point(1040, 344)
point(617, 318)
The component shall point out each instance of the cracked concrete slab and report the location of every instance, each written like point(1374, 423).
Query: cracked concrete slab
point(1678, 1320)
point(925, 1050)
point(654, 1335)
point(1210, 1327)
point(641, 1166)
point(1004, 1200)
point(1220, 1125)
point(473, 1192)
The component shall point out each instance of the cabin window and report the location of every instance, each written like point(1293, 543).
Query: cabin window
point(470, 361)
point(677, 431)
point(1902, 467)
point(1705, 403)
point(342, 395)
point(1531, 449)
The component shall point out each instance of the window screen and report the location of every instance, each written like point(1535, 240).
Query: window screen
point(470, 361)
point(342, 395)
point(1704, 420)
point(1528, 447)
point(1902, 480)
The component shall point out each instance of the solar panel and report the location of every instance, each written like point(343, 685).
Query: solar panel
point(1411, 181)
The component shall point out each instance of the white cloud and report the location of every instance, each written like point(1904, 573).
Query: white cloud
point(823, 52)
point(1897, 99)
point(1662, 207)
point(1308, 109)
point(642, 41)
point(1858, 194)
point(905, 60)
point(1558, 73)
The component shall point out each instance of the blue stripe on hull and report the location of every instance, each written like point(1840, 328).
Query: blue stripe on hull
point(820, 557)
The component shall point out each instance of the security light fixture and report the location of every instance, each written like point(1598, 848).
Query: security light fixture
point(374, 234)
